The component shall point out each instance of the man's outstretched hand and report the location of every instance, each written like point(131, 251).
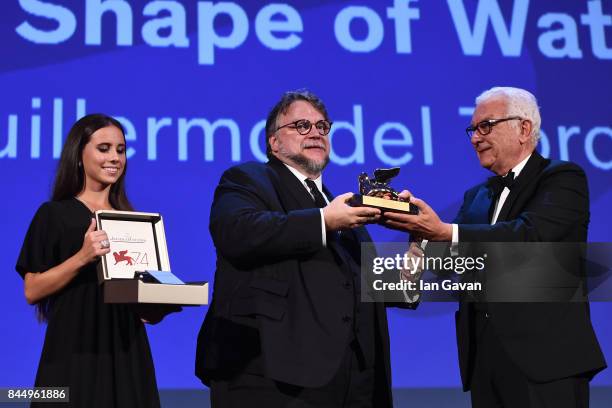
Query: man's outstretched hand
point(426, 224)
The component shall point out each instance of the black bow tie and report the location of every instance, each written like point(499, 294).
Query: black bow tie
point(497, 183)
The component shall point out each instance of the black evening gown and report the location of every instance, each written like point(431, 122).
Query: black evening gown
point(99, 350)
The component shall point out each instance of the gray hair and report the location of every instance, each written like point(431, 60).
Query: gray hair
point(520, 103)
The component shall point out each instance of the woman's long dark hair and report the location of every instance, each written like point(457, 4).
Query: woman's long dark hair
point(70, 175)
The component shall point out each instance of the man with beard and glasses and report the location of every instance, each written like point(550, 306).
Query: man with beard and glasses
point(286, 326)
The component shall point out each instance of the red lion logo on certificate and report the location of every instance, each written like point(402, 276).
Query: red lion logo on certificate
point(121, 256)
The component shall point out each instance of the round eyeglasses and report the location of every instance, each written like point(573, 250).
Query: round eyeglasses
point(303, 126)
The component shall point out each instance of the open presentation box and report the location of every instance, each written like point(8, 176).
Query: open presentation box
point(137, 268)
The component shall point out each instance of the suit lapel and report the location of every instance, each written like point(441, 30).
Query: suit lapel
point(293, 192)
point(478, 210)
point(294, 196)
point(528, 174)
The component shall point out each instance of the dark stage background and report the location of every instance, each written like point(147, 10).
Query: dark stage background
point(192, 81)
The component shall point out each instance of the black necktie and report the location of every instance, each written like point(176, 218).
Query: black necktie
point(497, 183)
point(318, 197)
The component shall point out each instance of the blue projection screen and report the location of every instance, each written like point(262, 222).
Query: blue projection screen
point(192, 81)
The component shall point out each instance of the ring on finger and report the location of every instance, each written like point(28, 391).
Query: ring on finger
point(104, 243)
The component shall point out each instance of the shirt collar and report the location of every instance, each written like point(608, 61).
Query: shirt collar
point(318, 181)
point(519, 167)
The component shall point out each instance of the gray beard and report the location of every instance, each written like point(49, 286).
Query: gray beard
point(307, 165)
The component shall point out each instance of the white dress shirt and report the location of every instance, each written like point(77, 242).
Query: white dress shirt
point(499, 204)
point(319, 183)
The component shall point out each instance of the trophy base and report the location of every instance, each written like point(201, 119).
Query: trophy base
point(384, 205)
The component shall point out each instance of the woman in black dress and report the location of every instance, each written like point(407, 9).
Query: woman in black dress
point(100, 351)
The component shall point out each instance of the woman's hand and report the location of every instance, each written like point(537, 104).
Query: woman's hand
point(38, 285)
point(95, 244)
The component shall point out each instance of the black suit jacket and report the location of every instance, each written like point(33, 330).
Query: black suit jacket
point(280, 305)
point(549, 202)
